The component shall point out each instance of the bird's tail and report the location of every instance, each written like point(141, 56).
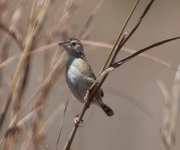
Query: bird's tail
point(106, 108)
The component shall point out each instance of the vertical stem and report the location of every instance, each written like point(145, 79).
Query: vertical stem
point(120, 35)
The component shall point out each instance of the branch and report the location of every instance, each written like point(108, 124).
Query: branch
point(33, 29)
point(95, 87)
point(120, 35)
point(90, 94)
point(127, 38)
point(11, 34)
point(126, 59)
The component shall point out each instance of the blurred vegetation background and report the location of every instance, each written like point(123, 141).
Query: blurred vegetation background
point(144, 93)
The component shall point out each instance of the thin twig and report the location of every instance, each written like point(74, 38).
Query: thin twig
point(171, 112)
point(42, 98)
point(11, 34)
point(145, 55)
point(22, 86)
point(124, 60)
point(90, 94)
point(34, 51)
point(13, 126)
point(120, 35)
point(84, 32)
point(61, 125)
point(127, 38)
point(4, 51)
point(32, 32)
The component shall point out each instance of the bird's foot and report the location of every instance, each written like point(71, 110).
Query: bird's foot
point(77, 121)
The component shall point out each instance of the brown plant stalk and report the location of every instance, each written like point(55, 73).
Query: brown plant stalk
point(36, 19)
point(11, 34)
point(94, 88)
point(44, 90)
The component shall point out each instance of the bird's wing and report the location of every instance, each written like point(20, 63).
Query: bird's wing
point(89, 78)
point(93, 78)
point(85, 87)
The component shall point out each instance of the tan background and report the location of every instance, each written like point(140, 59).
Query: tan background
point(131, 90)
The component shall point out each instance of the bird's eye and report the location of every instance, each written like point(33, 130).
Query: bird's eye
point(73, 43)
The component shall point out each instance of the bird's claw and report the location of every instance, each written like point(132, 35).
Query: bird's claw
point(78, 122)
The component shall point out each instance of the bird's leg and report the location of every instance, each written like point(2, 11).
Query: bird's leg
point(86, 99)
point(86, 96)
point(77, 121)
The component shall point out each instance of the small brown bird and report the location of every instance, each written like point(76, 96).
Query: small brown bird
point(79, 74)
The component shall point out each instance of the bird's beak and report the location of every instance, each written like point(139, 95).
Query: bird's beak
point(62, 44)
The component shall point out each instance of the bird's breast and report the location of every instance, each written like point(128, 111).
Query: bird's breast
point(75, 71)
point(73, 75)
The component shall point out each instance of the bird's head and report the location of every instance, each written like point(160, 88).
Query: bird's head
point(73, 46)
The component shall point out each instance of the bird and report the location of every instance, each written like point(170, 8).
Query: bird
point(79, 74)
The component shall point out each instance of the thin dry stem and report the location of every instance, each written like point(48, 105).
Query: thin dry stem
point(62, 123)
point(11, 34)
point(118, 38)
point(122, 43)
point(32, 32)
point(170, 111)
point(90, 94)
point(126, 59)
point(33, 52)
point(85, 31)
point(131, 51)
point(45, 88)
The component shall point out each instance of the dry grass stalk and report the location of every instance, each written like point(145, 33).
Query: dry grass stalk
point(49, 81)
point(12, 31)
point(113, 65)
point(10, 60)
point(24, 79)
point(61, 125)
point(110, 59)
point(18, 85)
point(55, 74)
point(94, 88)
point(41, 100)
point(15, 31)
point(13, 126)
point(11, 34)
point(131, 51)
point(85, 31)
point(170, 111)
point(59, 26)
point(11, 134)
point(123, 41)
point(4, 49)
point(35, 138)
point(126, 59)
point(33, 52)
